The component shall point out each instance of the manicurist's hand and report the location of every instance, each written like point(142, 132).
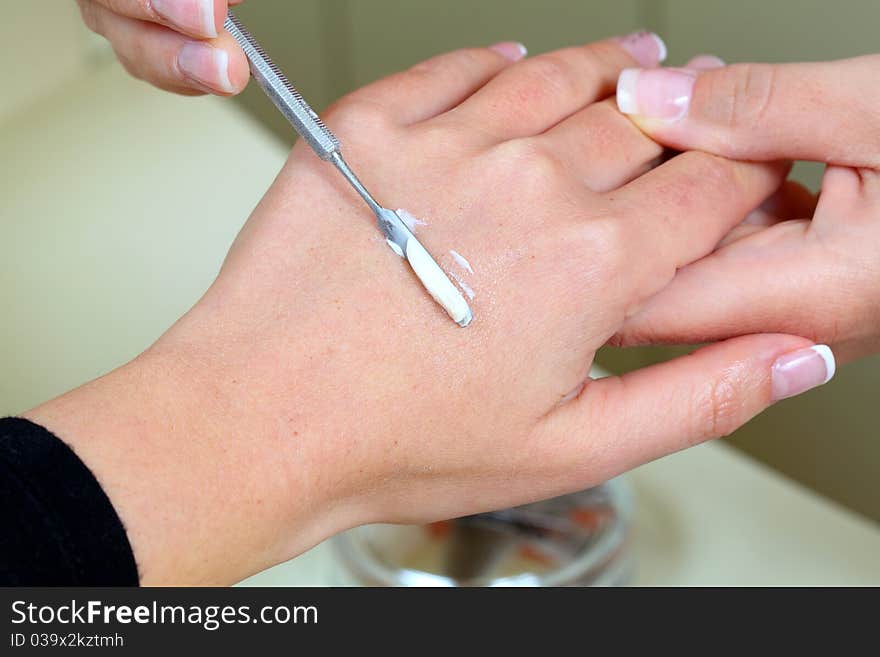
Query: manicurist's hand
point(176, 45)
point(798, 266)
point(317, 386)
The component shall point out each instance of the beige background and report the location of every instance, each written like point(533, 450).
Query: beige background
point(827, 439)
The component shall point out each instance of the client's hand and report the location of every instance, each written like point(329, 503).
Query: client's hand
point(317, 386)
point(798, 267)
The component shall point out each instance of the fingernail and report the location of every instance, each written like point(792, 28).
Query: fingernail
point(799, 371)
point(193, 16)
point(206, 65)
point(512, 50)
point(647, 48)
point(705, 63)
point(657, 93)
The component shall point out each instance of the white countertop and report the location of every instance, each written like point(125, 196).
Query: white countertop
point(707, 516)
point(117, 205)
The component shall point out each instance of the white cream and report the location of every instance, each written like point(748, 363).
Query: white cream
point(437, 283)
point(410, 221)
point(466, 266)
point(462, 261)
point(464, 286)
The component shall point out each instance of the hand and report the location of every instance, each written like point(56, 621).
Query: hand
point(804, 266)
point(176, 45)
point(317, 386)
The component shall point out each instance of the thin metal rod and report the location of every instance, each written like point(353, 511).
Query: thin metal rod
point(355, 182)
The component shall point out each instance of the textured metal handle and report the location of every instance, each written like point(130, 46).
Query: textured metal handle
point(285, 96)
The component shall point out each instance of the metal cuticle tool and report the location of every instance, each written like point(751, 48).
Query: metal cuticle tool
point(325, 144)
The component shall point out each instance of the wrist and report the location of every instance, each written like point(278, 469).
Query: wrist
point(207, 495)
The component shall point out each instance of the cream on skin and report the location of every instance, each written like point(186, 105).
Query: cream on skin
point(435, 280)
point(411, 222)
point(467, 289)
point(462, 261)
point(464, 264)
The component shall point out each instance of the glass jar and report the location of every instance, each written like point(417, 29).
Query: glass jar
point(581, 539)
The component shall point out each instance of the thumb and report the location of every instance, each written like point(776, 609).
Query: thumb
point(824, 112)
point(618, 423)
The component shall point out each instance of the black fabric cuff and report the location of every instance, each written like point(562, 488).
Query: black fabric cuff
point(57, 526)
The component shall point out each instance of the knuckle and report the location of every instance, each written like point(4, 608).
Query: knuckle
point(741, 95)
point(527, 165)
point(700, 173)
point(605, 244)
point(450, 63)
point(606, 234)
point(713, 170)
point(445, 136)
point(90, 16)
point(717, 408)
point(632, 336)
point(145, 8)
point(551, 75)
point(609, 131)
point(130, 67)
point(135, 8)
point(354, 116)
point(599, 59)
point(607, 114)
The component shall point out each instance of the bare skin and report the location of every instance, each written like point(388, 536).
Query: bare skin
point(316, 386)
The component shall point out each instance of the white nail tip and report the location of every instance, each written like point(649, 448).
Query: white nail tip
point(626, 91)
point(206, 15)
point(221, 58)
point(661, 47)
point(826, 355)
point(713, 61)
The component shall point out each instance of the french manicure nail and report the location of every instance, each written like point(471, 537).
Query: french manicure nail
point(512, 50)
point(647, 48)
point(658, 93)
point(206, 65)
point(705, 63)
point(799, 371)
point(193, 16)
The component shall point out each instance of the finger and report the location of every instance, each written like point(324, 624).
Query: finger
point(172, 61)
point(602, 146)
point(840, 187)
point(791, 201)
point(755, 285)
point(824, 112)
point(539, 92)
point(850, 199)
point(198, 18)
point(678, 212)
point(440, 83)
point(618, 423)
point(767, 281)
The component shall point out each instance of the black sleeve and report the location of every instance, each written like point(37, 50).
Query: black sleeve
point(57, 527)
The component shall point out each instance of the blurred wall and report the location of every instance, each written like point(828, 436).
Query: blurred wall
point(828, 439)
point(33, 68)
